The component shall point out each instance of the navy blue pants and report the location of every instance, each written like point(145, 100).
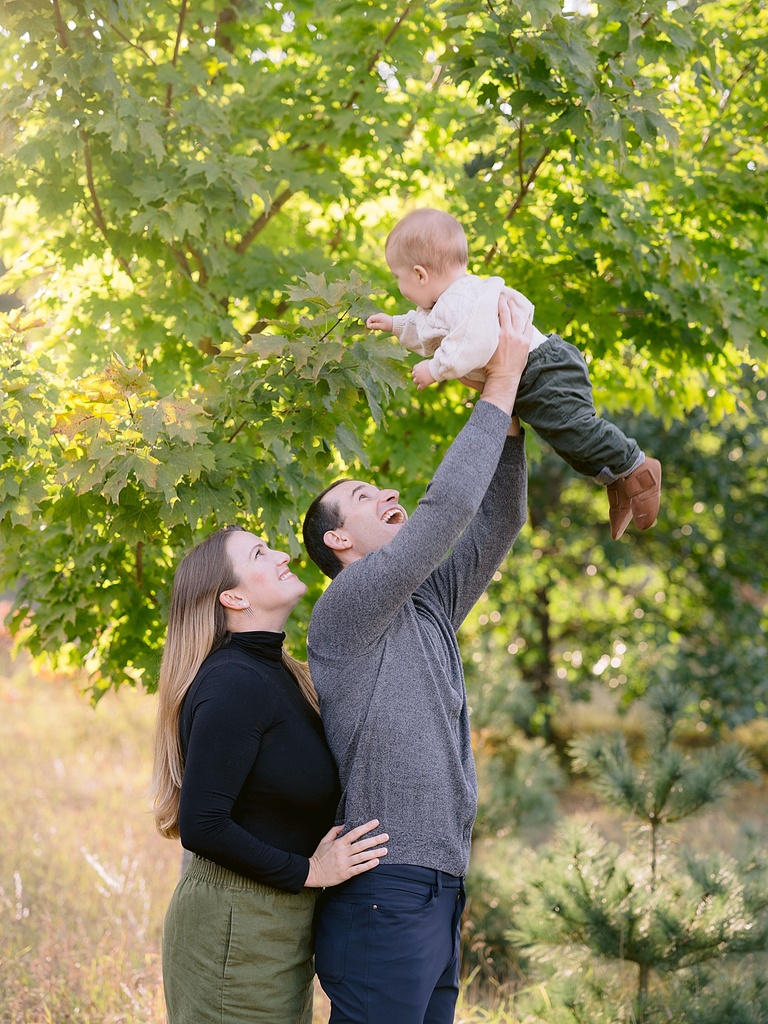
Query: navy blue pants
point(387, 946)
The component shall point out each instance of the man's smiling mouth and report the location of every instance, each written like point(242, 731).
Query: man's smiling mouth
point(394, 517)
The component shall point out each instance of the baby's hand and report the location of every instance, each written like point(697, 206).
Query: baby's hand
point(379, 322)
point(421, 375)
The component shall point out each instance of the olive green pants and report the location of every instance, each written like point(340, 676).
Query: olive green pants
point(235, 951)
point(555, 398)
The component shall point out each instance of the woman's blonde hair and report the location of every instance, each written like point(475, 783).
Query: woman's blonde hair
point(430, 238)
point(197, 625)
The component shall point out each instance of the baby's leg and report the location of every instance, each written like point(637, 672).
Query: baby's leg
point(555, 398)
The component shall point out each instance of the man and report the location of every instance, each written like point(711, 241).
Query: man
point(385, 661)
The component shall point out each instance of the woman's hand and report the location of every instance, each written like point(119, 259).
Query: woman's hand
point(337, 859)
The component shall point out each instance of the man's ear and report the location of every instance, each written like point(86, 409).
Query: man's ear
point(421, 273)
point(336, 541)
point(231, 599)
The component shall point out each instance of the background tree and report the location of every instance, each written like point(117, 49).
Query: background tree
point(196, 201)
point(173, 175)
point(687, 598)
point(654, 908)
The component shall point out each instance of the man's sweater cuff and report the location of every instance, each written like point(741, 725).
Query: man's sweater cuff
point(513, 444)
point(490, 417)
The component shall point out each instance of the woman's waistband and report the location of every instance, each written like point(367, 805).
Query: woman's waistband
point(202, 870)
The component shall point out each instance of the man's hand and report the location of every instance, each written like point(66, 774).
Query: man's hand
point(421, 375)
point(379, 322)
point(505, 367)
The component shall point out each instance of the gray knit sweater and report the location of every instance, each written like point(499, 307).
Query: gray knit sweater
point(385, 660)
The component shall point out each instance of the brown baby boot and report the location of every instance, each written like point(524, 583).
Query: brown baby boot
point(619, 510)
point(636, 496)
point(643, 485)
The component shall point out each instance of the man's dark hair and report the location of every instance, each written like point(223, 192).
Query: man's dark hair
point(321, 517)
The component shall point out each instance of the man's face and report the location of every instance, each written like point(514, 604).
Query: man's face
point(370, 517)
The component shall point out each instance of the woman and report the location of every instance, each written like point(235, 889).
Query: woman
point(243, 775)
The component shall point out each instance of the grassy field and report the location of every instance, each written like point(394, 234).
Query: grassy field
point(85, 879)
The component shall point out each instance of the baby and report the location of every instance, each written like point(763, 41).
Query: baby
point(456, 325)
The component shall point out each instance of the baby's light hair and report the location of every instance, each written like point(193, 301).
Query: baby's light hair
point(429, 238)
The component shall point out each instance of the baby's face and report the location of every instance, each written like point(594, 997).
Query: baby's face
point(410, 283)
point(420, 285)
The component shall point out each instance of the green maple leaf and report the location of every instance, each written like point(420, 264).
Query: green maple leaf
point(184, 419)
point(349, 444)
point(153, 140)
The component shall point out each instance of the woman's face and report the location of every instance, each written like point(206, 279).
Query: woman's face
point(266, 585)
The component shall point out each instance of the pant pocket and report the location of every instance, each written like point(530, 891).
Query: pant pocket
point(401, 896)
point(334, 927)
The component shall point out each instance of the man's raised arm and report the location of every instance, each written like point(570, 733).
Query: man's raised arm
point(477, 554)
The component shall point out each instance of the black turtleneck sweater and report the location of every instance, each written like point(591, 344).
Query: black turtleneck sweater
point(260, 786)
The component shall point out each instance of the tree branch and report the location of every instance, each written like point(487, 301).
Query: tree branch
point(435, 81)
point(237, 430)
point(140, 573)
point(124, 37)
point(61, 28)
point(397, 24)
point(520, 164)
point(527, 185)
point(97, 211)
point(263, 219)
point(227, 16)
point(520, 138)
point(258, 325)
point(524, 190)
point(336, 324)
point(183, 262)
point(748, 68)
point(177, 45)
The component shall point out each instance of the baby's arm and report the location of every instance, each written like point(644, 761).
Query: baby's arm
point(379, 322)
point(463, 349)
point(403, 327)
point(469, 323)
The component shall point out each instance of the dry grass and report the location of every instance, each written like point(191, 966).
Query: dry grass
point(85, 879)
